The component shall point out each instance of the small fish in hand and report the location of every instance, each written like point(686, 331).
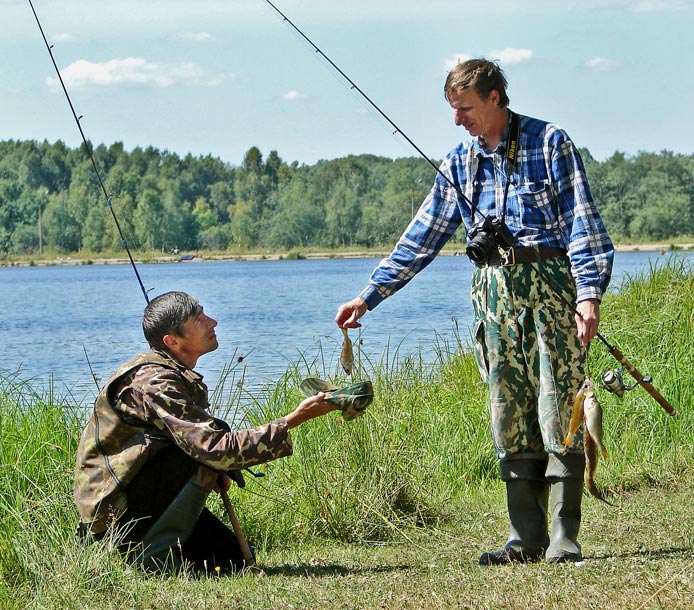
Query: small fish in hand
point(347, 354)
point(577, 412)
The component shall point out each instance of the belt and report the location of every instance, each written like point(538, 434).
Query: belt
point(516, 256)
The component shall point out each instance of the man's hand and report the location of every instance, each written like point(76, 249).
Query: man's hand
point(588, 320)
point(313, 406)
point(348, 313)
point(223, 483)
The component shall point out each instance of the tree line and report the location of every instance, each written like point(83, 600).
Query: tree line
point(50, 199)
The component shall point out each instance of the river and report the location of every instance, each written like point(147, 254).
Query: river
point(272, 313)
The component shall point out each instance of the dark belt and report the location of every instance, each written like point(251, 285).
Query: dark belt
point(516, 256)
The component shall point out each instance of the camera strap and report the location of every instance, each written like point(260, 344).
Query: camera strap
point(512, 149)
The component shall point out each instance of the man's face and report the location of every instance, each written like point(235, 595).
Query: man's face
point(197, 335)
point(473, 112)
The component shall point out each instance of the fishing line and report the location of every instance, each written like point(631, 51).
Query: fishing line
point(124, 242)
point(373, 104)
point(644, 381)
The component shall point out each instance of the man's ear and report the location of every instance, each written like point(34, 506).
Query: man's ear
point(170, 341)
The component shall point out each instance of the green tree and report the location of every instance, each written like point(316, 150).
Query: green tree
point(24, 239)
point(205, 217)
point(94, 235)
point(221, 197)
point(243, 225)
point(298, 220)
point(149, 217)
point(62, 230)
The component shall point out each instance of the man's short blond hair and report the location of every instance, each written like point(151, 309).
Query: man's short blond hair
point(480, 74)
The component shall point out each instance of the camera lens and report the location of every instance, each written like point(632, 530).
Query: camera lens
point(480, 247)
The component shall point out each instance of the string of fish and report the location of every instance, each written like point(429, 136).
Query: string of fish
point(587, 410)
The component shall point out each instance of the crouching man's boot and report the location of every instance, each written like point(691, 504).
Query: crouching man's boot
point(162, 542)
point(526, 498)
point(565, 474)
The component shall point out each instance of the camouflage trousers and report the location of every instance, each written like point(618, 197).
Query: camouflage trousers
point(529, 354)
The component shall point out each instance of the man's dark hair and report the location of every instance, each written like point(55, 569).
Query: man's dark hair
point(167, 314)
point(480, 74)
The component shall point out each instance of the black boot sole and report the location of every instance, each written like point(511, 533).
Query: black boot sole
point(508, 556)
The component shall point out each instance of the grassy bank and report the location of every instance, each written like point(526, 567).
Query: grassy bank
point(392, 510)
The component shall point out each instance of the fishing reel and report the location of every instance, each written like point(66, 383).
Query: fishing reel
point(613, 381)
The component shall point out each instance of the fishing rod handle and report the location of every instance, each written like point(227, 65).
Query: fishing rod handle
point(647, 385)
point(240, 536)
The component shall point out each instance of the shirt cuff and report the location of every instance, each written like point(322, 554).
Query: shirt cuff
point(588, 292)
point(371, 297)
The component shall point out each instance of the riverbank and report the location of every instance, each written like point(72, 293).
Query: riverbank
point(141, 258)
point(393, 509)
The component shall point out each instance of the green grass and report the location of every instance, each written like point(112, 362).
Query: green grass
point(390, 510)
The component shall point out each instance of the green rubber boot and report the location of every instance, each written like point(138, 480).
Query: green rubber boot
point(526, 498)
point(171, 529)
point(565, 474)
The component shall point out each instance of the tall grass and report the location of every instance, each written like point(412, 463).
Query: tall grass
point(651, 321)
point(424, 443)
point(417, 458)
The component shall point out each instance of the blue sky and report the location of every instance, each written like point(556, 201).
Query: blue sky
point(217, 77)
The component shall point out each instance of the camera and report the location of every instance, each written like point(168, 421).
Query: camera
point(485, 237)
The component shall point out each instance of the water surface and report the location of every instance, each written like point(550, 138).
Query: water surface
point(270, 312)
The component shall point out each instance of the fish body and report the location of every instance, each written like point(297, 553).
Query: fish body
point(591, 451)
point(347, 353)
point(577, 411)
point(592, 412)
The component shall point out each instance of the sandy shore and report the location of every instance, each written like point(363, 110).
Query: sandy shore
point(199, 258)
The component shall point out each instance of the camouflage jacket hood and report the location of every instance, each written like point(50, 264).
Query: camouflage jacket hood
point(150, 402)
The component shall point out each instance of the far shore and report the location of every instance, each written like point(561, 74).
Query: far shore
point(197, 257)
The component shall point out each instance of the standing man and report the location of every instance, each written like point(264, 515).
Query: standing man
point(533, 230)
point(152, 452)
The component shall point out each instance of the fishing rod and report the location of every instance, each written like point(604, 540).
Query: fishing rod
point(248, 556)
point(372, 103)
point(612, 382)
point(87, 146)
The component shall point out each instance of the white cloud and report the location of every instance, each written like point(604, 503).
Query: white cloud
point(506, 57)
point(196, 37)
point(509, 56)
point(601, 64)
point(459, 58)
point(292, 96)
point(658, 6)
point(132, 71)
point(62, 37)
point(449, 64)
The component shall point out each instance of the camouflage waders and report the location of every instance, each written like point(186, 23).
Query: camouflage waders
point(529, 354)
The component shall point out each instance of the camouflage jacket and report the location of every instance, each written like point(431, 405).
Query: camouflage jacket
point(149, 403)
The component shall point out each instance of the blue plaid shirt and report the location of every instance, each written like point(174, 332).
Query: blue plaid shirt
point(549, 204)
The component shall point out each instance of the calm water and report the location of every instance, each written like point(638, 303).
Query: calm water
point(271, 312)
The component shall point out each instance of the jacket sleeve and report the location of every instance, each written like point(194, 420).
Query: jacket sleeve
point(171, 408)
point(430, 229)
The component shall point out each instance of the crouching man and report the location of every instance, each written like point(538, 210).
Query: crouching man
point(151, 452)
